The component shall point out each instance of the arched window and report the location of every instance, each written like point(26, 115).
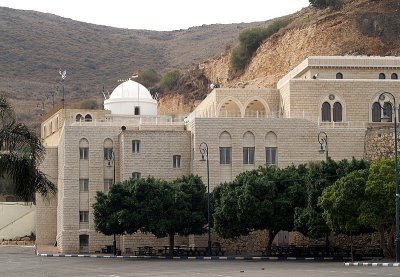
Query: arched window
point(382, 76)
point(337, 112)
point(376, 112)
point(248, 148)
point(83, 149)
point(394, 76)
point(271, 149)
point(88, 118)
point(387, 112)
point(78, 118)
point(339, 75)
point(326, 112)
point(225, 148)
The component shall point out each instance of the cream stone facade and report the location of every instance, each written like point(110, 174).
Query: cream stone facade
point(243, 128)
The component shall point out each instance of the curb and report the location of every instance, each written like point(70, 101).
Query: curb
point(214, 258)
point(373, 264)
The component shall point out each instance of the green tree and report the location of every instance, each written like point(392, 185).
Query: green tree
point(148, 77)
point(341, 203)
point(308, 219)
point(260, 199)
point(89, 104)
point(378, 208)
point(21, 152)
point(181, 210)
point(170, 80)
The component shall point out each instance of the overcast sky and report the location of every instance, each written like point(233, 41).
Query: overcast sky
point(161, 15)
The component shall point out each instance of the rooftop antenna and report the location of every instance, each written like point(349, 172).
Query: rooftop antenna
point(63, 74)
point(104, 93)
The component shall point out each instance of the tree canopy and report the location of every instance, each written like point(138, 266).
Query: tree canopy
point(260, 199)
point(21, 152)
point(153, 205)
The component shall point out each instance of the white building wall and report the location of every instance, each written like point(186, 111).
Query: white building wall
point(17, 219)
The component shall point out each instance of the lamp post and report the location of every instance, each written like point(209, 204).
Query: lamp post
point(204, 157)
point(111, 159)
point(382, 98)
point(323, 141)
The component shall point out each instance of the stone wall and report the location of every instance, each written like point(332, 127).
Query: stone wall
point(379, 142)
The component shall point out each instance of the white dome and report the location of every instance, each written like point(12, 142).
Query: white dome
point(131, 98)
point(131, 89)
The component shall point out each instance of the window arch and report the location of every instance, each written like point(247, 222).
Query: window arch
point(382, 76)
point(326, 112)
point(339, 75)
point(271, 149)
point(83, 149)
point(88, 118)
point(387, 111)
point(376, 112)
point(248, 148)
point(230, 107)
point(394, 76)
point(78, 117)
point(109, 155)
point(225, 148)
point(337, 112)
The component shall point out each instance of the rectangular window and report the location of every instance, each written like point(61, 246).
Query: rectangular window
point(136, 175)
point(137, 110)
point(83, 216)
point(83, 185)
point(271, 155)
point(108, 154)
point(248, 155)
point(135, 146)
point(176, 161)
point(108, 184)
point(225, 154)
point(84, 153)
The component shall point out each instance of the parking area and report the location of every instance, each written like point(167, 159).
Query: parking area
point(21, 261)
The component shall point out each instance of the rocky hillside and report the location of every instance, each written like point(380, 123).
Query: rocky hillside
point(34, 45)
point(360, 27)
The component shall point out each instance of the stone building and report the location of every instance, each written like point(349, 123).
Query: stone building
point(243, 128)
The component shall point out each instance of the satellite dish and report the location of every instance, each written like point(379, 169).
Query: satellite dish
point(63, 74)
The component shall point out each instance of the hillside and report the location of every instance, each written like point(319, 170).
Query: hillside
point(360, 27)
point(34, 45)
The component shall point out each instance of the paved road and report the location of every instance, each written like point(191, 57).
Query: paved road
point(21, 261)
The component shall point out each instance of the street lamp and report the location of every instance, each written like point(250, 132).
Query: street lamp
point(382, 98)
point(110, 157)
point(323, 141)
point(204, 157)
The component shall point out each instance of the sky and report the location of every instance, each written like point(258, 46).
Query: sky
point(161, 15)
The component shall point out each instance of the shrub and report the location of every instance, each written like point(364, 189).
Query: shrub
point(250, 40)
point(170, 80)
point(335, 4)
point(89, 104)
point(148, 77)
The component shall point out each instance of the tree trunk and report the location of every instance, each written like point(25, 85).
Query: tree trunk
point(171, 243)
point(382, 241)
point(271, 236)
point(327, 244)
point(391, 245)
point(351, 247)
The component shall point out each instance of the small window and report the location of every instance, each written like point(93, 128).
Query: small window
point(394, 76)
point(248, 155)
point(337, 112)
point(136, 175)
point(108, 154)
point(271, 155)
point(135, 146)
point(83, 185)
point(339, 75)
point(108, 184)
point(382, 76)
point(176, 161)
point(84, 153)
point(88, 118)
point(225, 155)
point(83, 216)
point(78, 118)
point(326, 112)
point(376, 112)
point(137, 110)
